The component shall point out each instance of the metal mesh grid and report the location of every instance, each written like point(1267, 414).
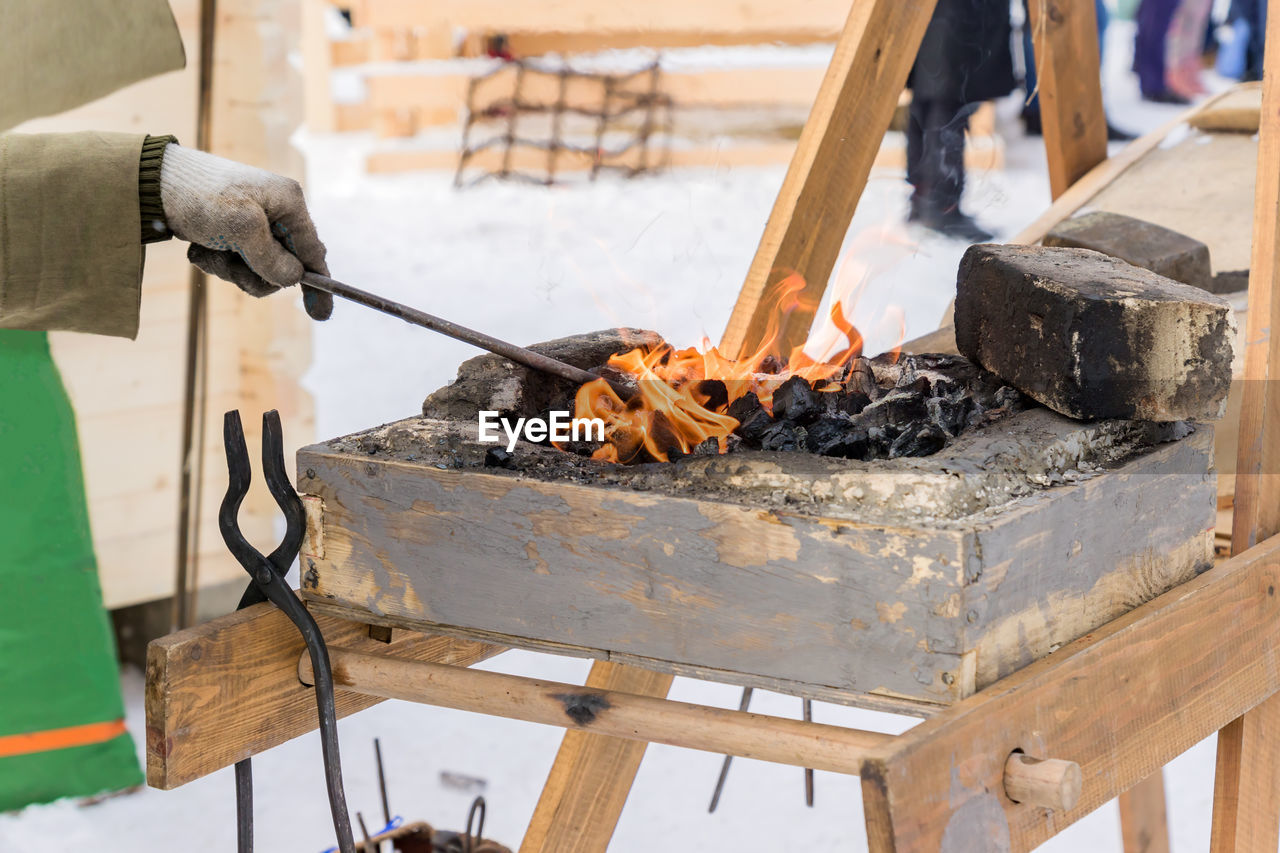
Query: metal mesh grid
point(614, 100)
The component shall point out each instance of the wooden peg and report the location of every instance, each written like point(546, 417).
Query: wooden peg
point(1049, 783)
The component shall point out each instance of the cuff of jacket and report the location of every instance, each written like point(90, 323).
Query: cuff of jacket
point(69, 252)
point(150, 207)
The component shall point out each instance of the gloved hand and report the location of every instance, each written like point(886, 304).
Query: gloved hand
point(245, 225)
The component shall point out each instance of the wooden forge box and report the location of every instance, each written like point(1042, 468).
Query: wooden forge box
point(902, 584)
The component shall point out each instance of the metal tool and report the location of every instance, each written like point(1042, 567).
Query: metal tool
point(382, 783)
point(807, 710)
point(268, 584)
point(728, 759)
point(518, 354)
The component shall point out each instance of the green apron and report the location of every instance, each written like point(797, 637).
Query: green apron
point(60, 702)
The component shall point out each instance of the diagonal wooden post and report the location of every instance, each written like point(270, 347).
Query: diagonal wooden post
point(592, 774)
point(829, 168)
point(1246, 795)
point(1065, 33)
point(1144, 823)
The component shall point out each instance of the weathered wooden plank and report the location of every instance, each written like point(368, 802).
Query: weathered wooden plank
point(229, 688)
point(874, 701)
point(1144, 823)
point(578, 16)
point(1035, 590)
point(936, 609)
point(1121, 702)
point(829, 170)
point(1067, 61)
point(1246, 802)
point(592, 774)
point(671, 579)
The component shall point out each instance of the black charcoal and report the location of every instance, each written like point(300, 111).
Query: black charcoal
point(795, 401)
point(496, 457)
point(922, 439)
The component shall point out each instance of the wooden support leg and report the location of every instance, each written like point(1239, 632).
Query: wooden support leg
point(1246, 790)
point(829, 170)
point(1144, 823)
point(1075, 125)
point(1246, 795)
point(592, 775)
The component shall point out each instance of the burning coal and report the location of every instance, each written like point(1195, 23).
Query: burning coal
point(697, 401)
point(879, 408)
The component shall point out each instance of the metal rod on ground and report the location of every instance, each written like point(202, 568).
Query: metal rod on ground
point(382, 783)
point(728, 759)
point(364, 830)
point(807, 706)
point(518, 354)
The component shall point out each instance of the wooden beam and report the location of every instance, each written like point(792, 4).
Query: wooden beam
point(229, 688)
point(592, 16)
point(1246, 801)
point(1144, 823)
point(592, 774)
point(719, 88)
point(318, 109)
point(829, 169)
point(626, 715)
point(1120, 702)
point(566, 44)
point(1067, 67)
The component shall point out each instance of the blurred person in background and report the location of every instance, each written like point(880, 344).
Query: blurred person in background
point(1168, 48)
point(964, 59)
point(1153, 19)
point(1241, 57)
point(1184, 48)
point(76, 212)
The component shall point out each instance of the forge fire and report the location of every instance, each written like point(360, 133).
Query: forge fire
point(659, 403)
point(692, 402)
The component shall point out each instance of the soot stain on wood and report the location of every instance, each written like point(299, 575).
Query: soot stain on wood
point(582, 708)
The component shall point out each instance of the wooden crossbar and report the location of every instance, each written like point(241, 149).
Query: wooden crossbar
point(608, 712)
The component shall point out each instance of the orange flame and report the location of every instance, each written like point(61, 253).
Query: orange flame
point(674, 411)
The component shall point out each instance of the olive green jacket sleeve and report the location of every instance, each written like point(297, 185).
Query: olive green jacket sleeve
point(70, 248)
point(59, 54)
point(70, 251)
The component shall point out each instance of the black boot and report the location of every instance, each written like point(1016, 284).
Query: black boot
point(1115, 134)
point(950, 222)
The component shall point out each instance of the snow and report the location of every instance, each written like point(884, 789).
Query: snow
point(528, 264)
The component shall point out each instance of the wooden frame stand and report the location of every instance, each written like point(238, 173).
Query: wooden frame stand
point(1002, 770)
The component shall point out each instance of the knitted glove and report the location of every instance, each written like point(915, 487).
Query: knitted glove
point(245, 225)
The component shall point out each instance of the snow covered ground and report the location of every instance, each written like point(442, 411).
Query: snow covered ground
point(528, 264)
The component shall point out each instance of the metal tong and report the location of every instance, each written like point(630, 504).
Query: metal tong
point(268, 584)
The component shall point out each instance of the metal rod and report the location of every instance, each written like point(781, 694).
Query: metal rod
point(382, 783)
point(518, 354)
point(364, 830)
point(743, 704)
point(607, 712)
point(807, 707)
point(244, 805)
